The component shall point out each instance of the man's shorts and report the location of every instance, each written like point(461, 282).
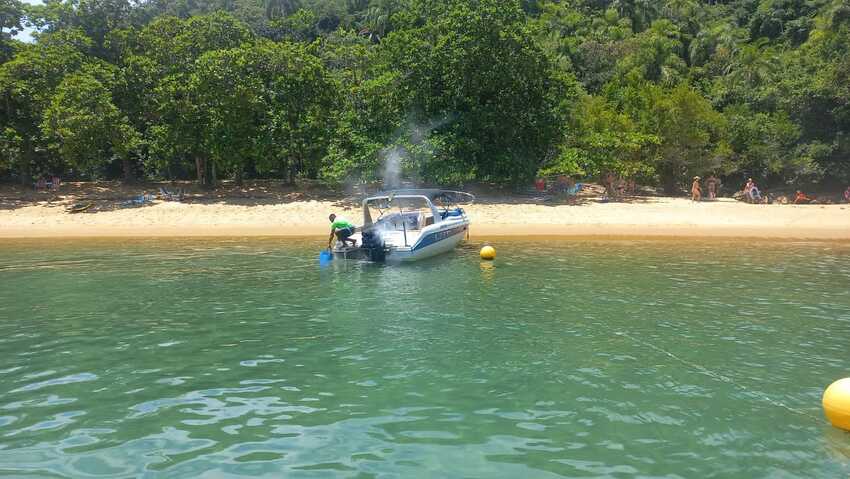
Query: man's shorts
point(344, 233)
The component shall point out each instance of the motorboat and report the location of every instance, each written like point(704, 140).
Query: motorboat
point(409, 225)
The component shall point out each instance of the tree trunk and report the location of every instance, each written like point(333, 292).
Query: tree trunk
point(669, 180)
point(128, 170)
point(26, 176)
point(200, 170)
point(25, 162)
point(293, 172)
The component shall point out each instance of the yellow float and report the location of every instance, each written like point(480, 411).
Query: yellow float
point(836, 403)
point(488, 253)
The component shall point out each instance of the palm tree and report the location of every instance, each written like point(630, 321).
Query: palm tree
point(280, 8)
point(641, 12)
point(719, 41)
point(752, 64)
point(679, 9)
point(375, 19)
point(685, 13)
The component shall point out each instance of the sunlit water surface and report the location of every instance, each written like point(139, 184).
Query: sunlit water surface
point(243, 358)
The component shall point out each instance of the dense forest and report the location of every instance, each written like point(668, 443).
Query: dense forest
point(452, 90)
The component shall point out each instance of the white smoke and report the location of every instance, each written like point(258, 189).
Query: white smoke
point(392, 156)
point(396, 155)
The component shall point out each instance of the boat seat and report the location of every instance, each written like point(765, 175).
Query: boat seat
point(413, 220)
point(455, 213)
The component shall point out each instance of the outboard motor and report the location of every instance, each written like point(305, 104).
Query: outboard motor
point(373, 243)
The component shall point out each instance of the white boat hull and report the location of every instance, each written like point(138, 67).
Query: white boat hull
point(432, 242)
point(447, 240)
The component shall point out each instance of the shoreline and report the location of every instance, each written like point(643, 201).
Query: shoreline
point(643, 218)
point(477, 233)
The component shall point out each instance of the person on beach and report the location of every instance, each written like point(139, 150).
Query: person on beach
point(342, 229)
point(847, 195)
point(751, 192)
point(696, 189)
point(711, 184)
point(801, 199)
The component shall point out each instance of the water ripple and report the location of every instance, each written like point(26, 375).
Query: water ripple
point(562, 359)
point(73, 378)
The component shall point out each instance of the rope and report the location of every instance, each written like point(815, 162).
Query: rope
point(719, 377)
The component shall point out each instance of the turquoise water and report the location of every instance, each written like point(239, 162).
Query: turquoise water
point(212, 358)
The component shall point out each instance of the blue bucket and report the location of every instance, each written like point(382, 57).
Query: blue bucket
point(325, 257)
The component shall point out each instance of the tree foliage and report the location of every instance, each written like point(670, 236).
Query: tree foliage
point(474, 74)
point(83, 124)
point(457, 90)
point(11, 22)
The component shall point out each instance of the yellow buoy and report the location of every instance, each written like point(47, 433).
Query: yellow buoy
point(836, 403)
point(488, 252)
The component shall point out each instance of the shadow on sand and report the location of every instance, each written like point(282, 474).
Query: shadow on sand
point(95, 197)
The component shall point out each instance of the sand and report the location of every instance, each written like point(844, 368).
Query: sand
point(651, 217)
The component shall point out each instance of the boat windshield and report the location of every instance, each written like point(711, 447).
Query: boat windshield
point(408, 213)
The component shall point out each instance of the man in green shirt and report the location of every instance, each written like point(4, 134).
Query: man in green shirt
point(342, 229)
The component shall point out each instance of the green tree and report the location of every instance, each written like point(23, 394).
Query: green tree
point(169, 49)
point(95, 18)
point(229, 96)
point(301, 26)
point(374, 21)
point(300, 117)
point(27, 83)
point(789, 20)
point(264, 105)
point(816, 93)
point(369, 120)
point(485, 90)
point(654, 55)
point(716, 45)
point(177, 134)
point(370, 108)
point(641, 12)
point(600, 140)
point(280, 8)
point(475, 70)
point(766, 144)
point(174, 44)
point(85, 127)
point(11, 22)
point(691, 133)
point(10, 150)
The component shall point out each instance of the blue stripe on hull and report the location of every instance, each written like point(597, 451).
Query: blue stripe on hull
point(438, 236)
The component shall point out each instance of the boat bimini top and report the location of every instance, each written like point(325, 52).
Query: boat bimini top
point(432, 199)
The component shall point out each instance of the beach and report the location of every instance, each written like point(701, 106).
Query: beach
point(297, 214)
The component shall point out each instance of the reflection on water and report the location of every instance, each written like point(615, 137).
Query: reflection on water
point(620, 359)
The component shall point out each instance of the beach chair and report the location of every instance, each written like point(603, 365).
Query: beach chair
point(169, 196)
point(574, 190)
point(140, 200)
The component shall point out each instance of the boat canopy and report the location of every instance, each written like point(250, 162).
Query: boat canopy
point(449, 196)
point(430, 196)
